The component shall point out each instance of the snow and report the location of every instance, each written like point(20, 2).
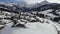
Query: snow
point(32, 28)
point(46, 12)
point(1, 25)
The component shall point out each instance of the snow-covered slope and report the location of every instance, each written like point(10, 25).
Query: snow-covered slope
point(32, 28)
point(37, 23)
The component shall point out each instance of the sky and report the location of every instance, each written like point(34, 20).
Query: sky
point(16, 1)
point(30, 1)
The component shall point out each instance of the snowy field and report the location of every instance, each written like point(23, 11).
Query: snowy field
point(32, 28)
point(48, 27)
point(35, 15)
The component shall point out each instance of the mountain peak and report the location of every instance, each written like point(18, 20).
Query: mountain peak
point(44, 2)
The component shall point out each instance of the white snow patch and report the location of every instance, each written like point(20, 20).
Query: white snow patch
point(32, 28)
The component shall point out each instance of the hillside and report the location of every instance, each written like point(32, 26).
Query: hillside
point(15, 19)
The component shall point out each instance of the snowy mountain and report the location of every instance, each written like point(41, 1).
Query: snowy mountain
point(35, 24)
point(16, 8)
point(24, 5)
point(40, 4)
point(44, 5)
point(41, 18)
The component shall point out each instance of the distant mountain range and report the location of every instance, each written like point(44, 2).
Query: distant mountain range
point(44, 5)
point(13, 7)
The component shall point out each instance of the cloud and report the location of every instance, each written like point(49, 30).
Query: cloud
point(30, 1)
point(17, 0)
point(33, 1)
point(38, 1)
point(54, 1)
